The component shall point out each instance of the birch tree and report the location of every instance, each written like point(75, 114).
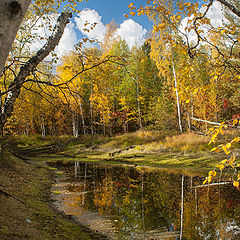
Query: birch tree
point(13, 91)
point(11, 16)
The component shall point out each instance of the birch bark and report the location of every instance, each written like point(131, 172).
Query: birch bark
point(11, 16)
point(29, 67)
point(177, 97)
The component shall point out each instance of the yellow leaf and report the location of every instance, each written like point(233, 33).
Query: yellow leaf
point(224, 161)
point(236, 184)
point(223, 31)
point(238, 178)
point(195, 91)
point(228, 145)
point(235, 121)
point(232, 159)
point(221, 166)
point(225, 149)
point(126, 16)
point(205, 181)
point(232, 165)
point(236, 139)
point(187, 101)
point(130, 5)
point(221, 131)
point(214, 149)
point(212, 173)
point(209, 179)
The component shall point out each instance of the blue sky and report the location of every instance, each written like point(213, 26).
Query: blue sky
point(133, 29)
point(115, 10)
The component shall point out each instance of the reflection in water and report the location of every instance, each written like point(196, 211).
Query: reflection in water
point(126, 203)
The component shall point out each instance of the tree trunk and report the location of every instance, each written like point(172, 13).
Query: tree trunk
point(29, 67)
point(138, 106)
point(91, 107)
point(11, 16)
point(75, 124)
point(178, 105)
point(43, 127)
point(230, 6)
point(104, 125)
point(81, 111)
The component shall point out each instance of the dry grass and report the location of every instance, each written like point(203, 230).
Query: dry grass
point(136, 138)
point(158, 141)
point(187, 142)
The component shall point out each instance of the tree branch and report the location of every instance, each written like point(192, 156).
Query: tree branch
point(30, 66)
point(231, 7)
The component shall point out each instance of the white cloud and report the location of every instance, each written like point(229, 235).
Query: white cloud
point(68, 40)
point(91, 17)
point(41, 30)
point(132, 32)
point(214, 14)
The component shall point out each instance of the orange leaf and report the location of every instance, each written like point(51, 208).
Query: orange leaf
point(236, 184)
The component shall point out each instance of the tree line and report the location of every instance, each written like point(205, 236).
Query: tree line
point(167, 83)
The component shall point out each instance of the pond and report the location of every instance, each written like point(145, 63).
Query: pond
point(127, 202)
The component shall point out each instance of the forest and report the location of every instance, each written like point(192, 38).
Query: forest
point(146, 133)
point(166, 83)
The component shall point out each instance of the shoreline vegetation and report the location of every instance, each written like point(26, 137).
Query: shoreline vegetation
point(26, 211)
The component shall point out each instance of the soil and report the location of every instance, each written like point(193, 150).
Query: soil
point(26, 210)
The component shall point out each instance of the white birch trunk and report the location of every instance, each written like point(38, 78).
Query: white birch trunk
point(91, 108)
point(75, 125)
point(15, 87)
point(81, 112)
point(43, 127)
point(138, 105)
point(178, 105)
point(11, 16)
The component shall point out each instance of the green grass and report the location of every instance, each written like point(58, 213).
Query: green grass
point(154, 148)
point(31, 183)
point(28, 214)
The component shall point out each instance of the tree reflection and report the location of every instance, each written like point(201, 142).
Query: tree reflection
point(103, 197)
point(208, 213)
point(143, 204)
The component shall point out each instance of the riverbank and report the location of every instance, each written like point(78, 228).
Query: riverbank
point(149, 148)
point(26, 211)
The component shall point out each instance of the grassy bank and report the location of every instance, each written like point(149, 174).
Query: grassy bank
point(154, 148)
point(25, 204)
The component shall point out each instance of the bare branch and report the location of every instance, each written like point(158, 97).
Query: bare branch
point(31, 65)
point(231, 7)
point(195, 28)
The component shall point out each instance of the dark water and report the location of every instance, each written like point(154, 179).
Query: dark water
point(129, 203)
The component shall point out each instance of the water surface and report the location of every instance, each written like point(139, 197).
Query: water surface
point(125, 202)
